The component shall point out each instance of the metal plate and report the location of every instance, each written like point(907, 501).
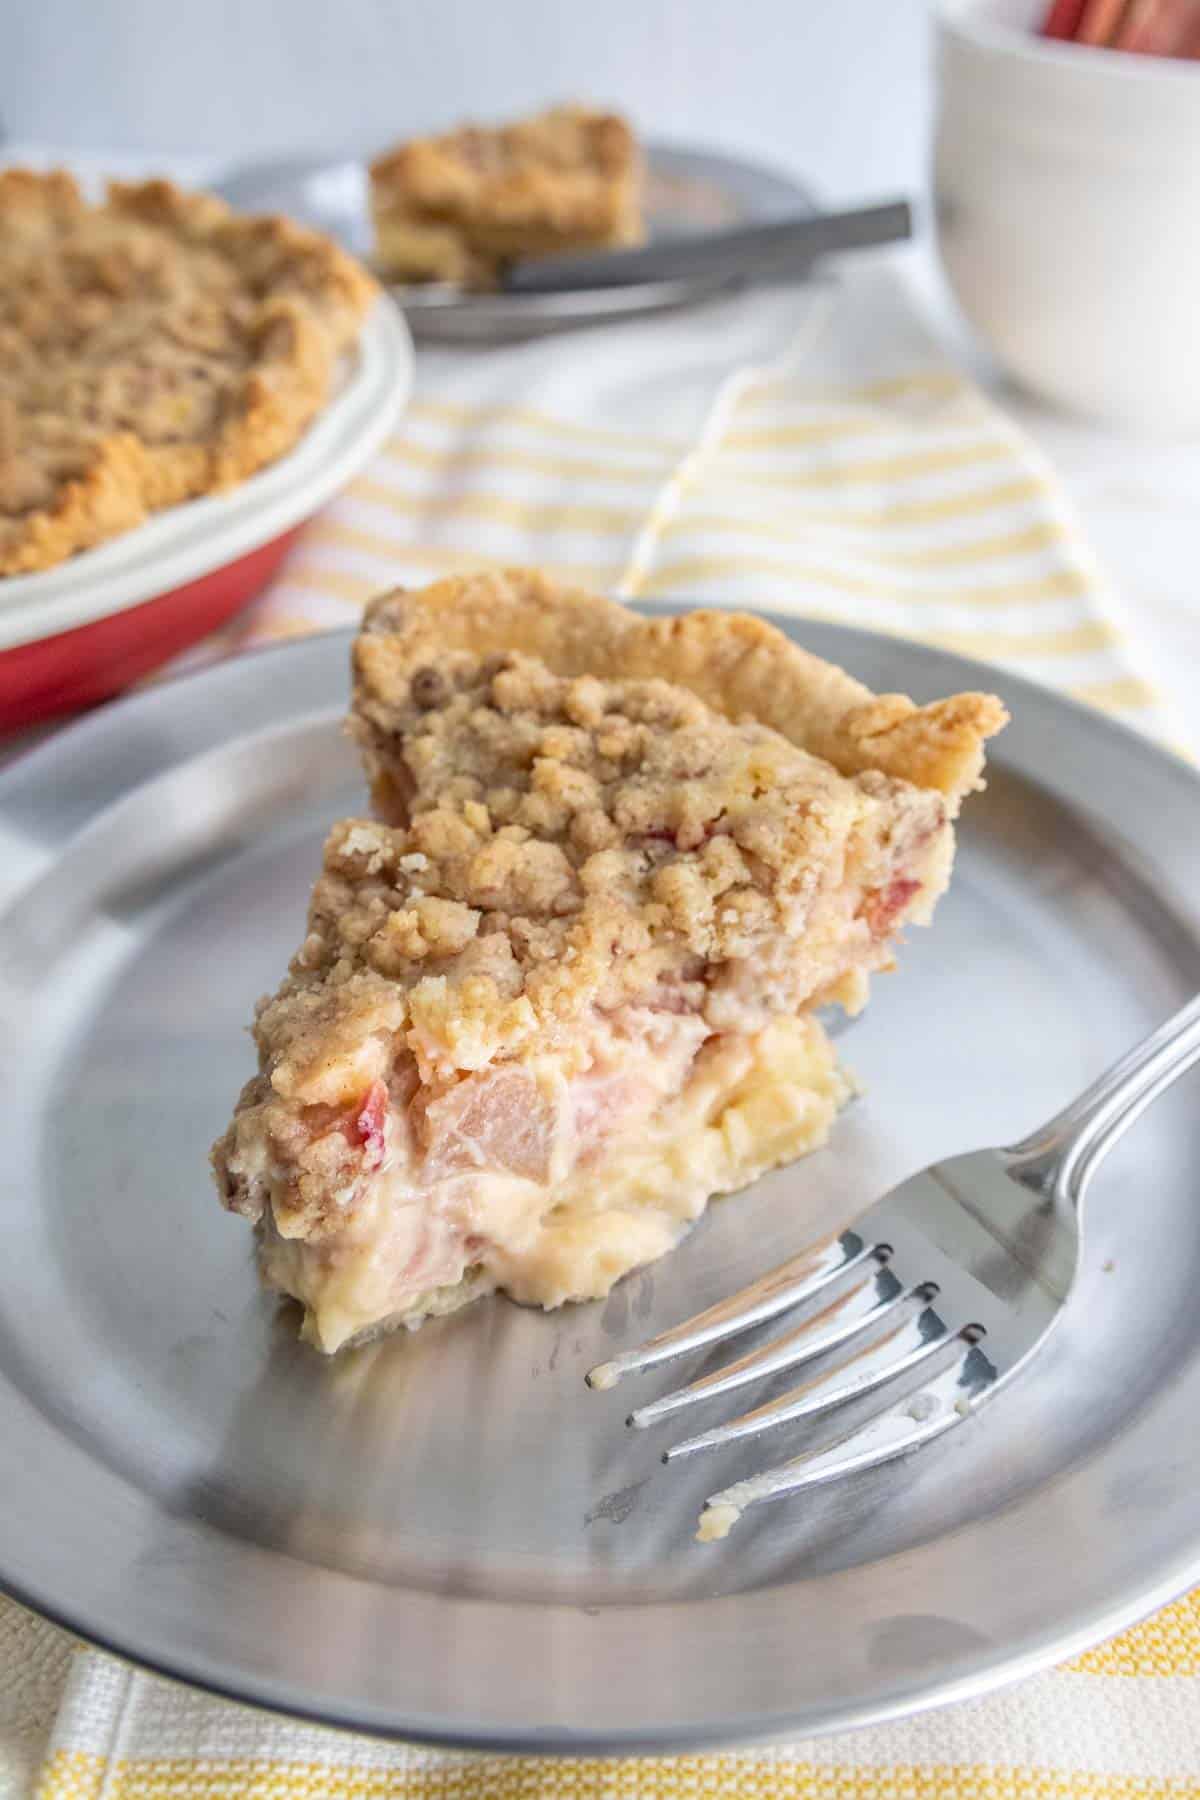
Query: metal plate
point(445, 1536)
point(688, 190)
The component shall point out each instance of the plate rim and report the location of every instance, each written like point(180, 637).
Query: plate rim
point(984, 1672)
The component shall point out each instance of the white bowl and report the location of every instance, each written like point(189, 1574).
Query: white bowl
point(1067, 184)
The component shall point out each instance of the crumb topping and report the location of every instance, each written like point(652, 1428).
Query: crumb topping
point(560, 141)
point(738, 665)
point(152, 348)
point(510, 169)
point(568, 843)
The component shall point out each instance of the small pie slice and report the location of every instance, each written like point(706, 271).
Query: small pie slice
point(561, 992)
point(459, 207)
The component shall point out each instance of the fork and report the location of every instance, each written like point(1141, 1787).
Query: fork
point(945, 1288)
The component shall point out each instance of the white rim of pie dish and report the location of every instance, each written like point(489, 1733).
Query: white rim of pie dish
point(185, 542)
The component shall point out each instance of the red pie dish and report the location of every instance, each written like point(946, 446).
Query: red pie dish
point(89, 627)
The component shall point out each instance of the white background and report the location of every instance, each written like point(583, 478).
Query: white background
point(835, 88)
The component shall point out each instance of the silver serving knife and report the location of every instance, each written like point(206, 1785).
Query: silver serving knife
point(746, 252)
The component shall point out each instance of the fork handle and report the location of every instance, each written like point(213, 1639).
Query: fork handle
point(1071, 1146)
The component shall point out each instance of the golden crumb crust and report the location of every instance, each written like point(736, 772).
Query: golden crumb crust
point(459, 206)
point(738, 665)
point(152, 348)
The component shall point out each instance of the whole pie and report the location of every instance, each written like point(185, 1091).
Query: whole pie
point(460, 207)
point(152, 348)
point(562, 989)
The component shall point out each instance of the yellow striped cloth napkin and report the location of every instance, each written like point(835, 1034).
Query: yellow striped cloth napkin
point(808, 451)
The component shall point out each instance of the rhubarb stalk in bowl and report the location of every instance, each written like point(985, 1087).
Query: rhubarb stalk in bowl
point(1066, 179)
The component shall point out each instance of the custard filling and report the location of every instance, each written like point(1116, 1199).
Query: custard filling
point(551, 1187)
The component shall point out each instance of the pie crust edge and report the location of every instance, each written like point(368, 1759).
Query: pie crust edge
point(738, 664)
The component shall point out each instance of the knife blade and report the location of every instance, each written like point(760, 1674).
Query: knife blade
point(779, 247)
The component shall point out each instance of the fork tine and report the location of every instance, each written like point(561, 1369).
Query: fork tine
point(956, 1393)
point(841, 1321)
point(907, 1346)
point(800, 1278)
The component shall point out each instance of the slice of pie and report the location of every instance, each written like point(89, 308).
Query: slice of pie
point(561, 992)
point(459, 207)
point(152, 348)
